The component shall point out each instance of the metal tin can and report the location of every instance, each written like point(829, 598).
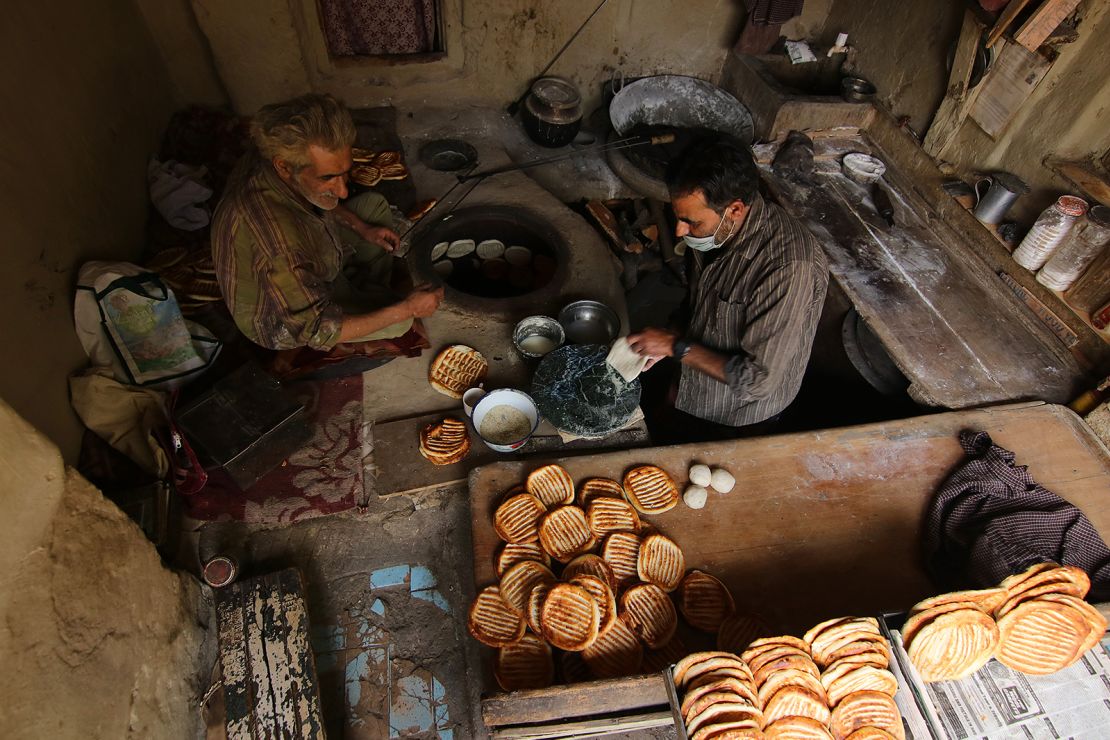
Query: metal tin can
point(220, 571)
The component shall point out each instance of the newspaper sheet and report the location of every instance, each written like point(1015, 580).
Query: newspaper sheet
point(997, 703)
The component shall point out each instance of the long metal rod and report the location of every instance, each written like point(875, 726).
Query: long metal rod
point(515, 105)
point(632, 141)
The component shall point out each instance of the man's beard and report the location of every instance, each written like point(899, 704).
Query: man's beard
point(324, 201)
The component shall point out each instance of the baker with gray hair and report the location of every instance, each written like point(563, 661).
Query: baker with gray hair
point(299, 263)
point(757, 286)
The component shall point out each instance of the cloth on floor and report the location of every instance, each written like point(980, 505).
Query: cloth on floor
point(125, 416)
point(179, 193)
point(326, 476)
point(773, 12)
point(990, 519)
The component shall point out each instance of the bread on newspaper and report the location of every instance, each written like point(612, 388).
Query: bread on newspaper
point(456, 369)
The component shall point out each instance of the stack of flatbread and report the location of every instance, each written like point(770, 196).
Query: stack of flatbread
point(445, 442)
point(1035, 622)
point(777, 689)
point(457, 369)
point(585, 574)
point(718, 696)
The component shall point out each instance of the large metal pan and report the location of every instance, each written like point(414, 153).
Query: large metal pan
point(681, 102)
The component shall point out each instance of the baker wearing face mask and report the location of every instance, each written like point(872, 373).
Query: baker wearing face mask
point(757, 285)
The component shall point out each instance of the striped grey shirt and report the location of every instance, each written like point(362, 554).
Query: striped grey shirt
point(758, 302)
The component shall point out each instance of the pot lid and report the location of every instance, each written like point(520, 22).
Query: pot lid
point(556, 93)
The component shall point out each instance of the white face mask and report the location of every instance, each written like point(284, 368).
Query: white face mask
point(708, 243)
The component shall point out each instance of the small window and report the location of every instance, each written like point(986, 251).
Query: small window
point(399, 30)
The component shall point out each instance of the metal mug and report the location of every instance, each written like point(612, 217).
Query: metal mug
point(1002, 190)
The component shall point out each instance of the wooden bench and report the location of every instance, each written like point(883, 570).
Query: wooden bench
point(270, 684)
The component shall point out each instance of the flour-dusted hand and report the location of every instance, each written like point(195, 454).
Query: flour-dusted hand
point(424, 301)
point(655, 344)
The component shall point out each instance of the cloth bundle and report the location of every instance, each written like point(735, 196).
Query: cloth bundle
point(990, 519)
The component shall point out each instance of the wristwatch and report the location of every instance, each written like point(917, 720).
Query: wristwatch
point(680, 348)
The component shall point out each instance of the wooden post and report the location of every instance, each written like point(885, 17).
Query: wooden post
point(1043, 22)
point(957, 101)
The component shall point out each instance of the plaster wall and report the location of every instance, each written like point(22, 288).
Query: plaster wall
point(266, 50)
point(97, 638)
point(86, 97)
point(185, 51)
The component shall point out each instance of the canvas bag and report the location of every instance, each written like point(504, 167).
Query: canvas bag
point(128, 320)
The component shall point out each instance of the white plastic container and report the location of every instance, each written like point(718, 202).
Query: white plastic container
point(1084, 244)
point(1049, 232)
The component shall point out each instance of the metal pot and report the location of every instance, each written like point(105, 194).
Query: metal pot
point(552, 112)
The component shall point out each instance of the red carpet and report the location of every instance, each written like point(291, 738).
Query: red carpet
point(324, 477)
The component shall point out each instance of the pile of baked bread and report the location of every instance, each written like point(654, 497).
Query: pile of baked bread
point(833, 683)
point(582, 572)
point(1035, 622)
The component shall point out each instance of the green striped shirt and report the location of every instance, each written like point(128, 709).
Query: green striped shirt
point(277, 258)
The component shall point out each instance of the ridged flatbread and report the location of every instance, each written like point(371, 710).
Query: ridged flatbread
point(565, 533)
point(866, 709)
point(796, 701)
point(512, 553)
point(535, 606)
point(650, 489)
point(591, 565)
point(987, 599)
point(621, 550)
point(858, 678)
point(592, 488)
point(696, 664)
point(492, 621)
point(797, 728)
point(517, 520)
point(518, 582)
point(445, 442)
point(738, 630)
point(1041, 637)
point(603, 595)
point(650, 614)
point(789, 677)
point(730, 684)
point(655, 660)
point(616, 652)
point(728, 731)
point(704, 601)
point(660, 561)
point(570, 617)
point(954, 645)
point(721, 712)
point(551, 484)
point(457, 369)
point(527, 664)
point(607, 515)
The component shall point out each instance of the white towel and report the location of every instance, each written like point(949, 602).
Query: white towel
point(625, 360)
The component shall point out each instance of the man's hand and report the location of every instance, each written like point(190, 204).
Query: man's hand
point(424, 301)
point(655, 344)
point(383, 236)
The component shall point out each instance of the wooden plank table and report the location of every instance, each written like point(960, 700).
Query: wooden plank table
point(825, 523)
point(947, 321)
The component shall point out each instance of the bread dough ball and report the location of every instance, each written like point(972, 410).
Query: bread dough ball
point(722, 480)
point(695, 496)
point(700, 475)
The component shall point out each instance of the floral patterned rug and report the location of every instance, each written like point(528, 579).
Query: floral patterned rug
point(323, 477)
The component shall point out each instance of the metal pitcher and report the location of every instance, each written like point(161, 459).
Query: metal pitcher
point(1002, 189)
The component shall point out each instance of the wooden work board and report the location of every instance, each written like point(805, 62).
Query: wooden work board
point(952, 327)
point(826, 523)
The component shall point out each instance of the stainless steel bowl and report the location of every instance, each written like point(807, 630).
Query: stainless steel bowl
point(589, 322)
point(544, 327)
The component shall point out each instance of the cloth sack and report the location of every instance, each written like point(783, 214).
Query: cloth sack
point(990, 520)
point(125, 416)
point(177, 193)
point(128, 321)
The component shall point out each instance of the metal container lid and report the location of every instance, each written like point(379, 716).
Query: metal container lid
point(1099, 215)
point(556, 93)
point(1011, 182)
point(1070, 205)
